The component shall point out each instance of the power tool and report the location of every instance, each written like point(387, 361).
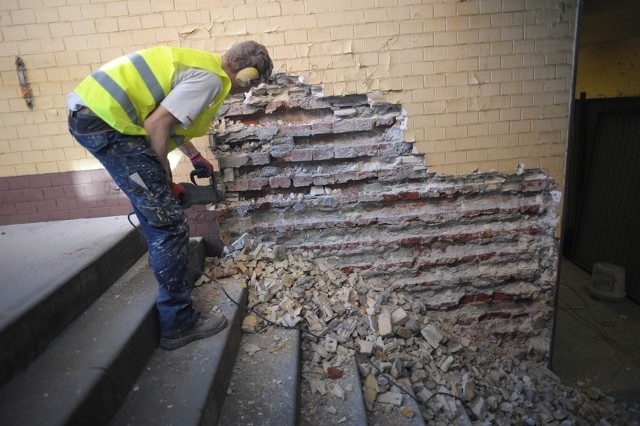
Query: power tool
point(200, 195)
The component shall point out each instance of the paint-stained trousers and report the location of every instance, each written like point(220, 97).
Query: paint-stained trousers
point(136, 169)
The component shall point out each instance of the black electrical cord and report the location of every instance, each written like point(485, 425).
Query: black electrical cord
point(304, 331)
point(463, 401)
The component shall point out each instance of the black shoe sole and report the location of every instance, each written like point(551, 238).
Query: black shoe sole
point(171, 344)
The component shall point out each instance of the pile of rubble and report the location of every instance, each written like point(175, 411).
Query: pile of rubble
point(405, 353)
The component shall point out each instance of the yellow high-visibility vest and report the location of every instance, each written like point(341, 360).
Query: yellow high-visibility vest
point(125, 91)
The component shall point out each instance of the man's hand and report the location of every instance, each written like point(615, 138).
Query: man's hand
point(202, 166)
point(178, 191)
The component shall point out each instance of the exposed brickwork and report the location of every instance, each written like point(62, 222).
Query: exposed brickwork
point(481, 247)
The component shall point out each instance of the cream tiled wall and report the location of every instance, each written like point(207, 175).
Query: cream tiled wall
point(486, 83)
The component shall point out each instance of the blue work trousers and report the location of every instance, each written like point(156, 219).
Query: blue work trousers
point(136, 169)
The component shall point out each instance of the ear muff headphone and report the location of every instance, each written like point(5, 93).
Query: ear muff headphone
point(247, 76)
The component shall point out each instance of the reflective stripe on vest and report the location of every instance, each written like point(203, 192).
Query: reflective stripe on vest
point(118, 94)
point(148, 77)
point(125, 91)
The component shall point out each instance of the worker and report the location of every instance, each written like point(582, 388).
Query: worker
point(130, 114)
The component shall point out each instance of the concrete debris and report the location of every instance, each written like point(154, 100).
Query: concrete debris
point(459, 373)
point(393, 398)
point(251, 349)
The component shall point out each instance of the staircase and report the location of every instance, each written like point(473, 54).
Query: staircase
point(79, 334)
point(79, 342)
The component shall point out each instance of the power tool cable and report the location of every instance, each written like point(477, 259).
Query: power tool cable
point(303, 331)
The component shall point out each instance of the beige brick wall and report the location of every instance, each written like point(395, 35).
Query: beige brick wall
point(486, 83)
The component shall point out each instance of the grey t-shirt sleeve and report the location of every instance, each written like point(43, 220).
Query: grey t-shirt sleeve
point(192, 92)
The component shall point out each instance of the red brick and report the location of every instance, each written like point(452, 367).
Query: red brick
point(39, 181)
point(53, 193)
point(72, 191)
point(494, 315)
point(502, 296)
point(263, 207)
point(61, 179)
point(298, 155)
point(322, 127)
point(100, 212)
point(302, 180)
point(120, 210)
point(409, 195)
point(258, 184)
point(234, 161)
point(66, 204)
point(237, 185)
point(26, 207)
point(534, 185)
point(20, 182)
point(345, 177)
point(8, 209)
point(322, 153)
point(82, 177)
point(366, 175)
point(38, 217)
point(323, 180)
point(61, 215)
point(98, 188)
point(486, 256)
point(260, 158)
point(482, 298)
point(32, 194)
point(12, 197)
point(466, 321)
point(535, 209)
point(100, 175)
point(46, 206)
point(79, 214)
point(86, 203)
point(280, 182)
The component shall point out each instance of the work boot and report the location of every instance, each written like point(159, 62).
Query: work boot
point(205, 327)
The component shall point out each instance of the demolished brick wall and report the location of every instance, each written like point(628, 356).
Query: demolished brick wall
point(333, 176)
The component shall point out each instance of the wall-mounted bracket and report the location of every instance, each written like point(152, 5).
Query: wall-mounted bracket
point(27, 93)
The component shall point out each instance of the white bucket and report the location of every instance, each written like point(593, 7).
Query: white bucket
point(607, 282)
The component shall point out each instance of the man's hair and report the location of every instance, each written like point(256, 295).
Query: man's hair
point(250, 54)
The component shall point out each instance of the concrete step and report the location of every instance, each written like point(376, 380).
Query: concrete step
point(265, 384)
point(86, 372)
point(187, 386)
point(94, 367)
point(51, 272)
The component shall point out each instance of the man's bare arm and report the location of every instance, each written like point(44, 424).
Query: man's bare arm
point(158, 126)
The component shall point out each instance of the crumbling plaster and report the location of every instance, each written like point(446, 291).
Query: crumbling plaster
point(334, 177)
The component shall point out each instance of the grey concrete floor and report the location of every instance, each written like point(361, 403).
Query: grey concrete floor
point(597, 343)
point(37, 257)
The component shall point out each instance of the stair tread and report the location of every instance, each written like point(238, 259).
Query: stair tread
point(101, 349)
point(265, 382)
point(51, 273)
point(187, 386)
point(40, 256)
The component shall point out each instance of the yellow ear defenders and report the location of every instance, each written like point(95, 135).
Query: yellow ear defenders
point(247, 76)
